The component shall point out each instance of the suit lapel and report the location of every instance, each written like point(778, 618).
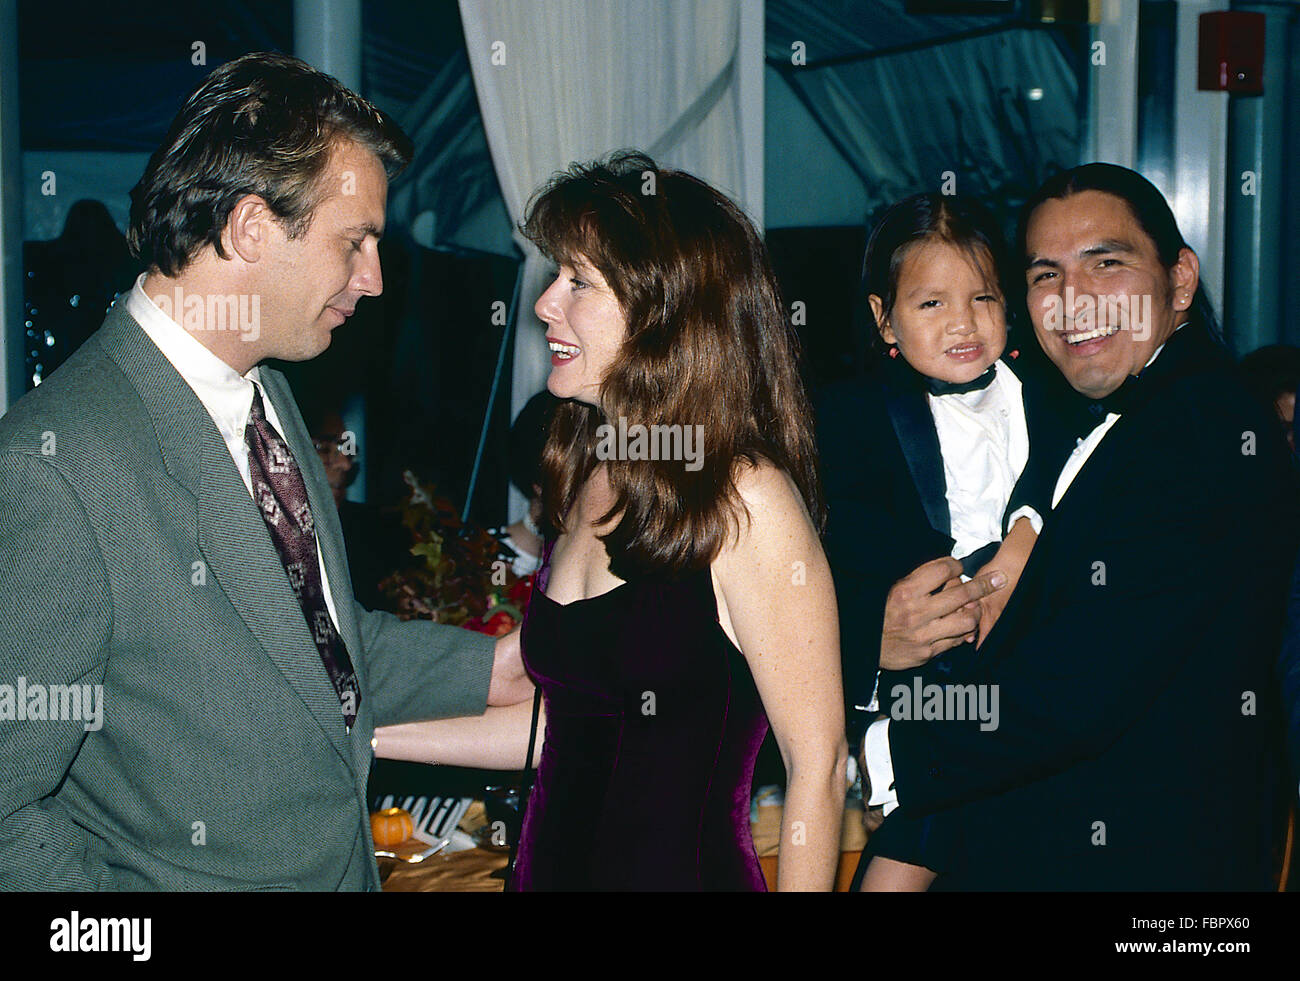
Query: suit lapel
point(914, 426)
point(242, 561)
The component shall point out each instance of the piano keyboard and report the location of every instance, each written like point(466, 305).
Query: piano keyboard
point(435, 818)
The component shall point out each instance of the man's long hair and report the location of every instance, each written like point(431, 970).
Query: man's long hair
point(708, 344)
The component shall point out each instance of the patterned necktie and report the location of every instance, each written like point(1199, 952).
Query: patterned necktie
point(281, 496)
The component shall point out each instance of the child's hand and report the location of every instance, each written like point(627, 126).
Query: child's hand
point(1010, 560)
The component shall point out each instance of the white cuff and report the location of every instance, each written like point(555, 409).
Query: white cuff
point(1035, 519)
point(880, 766)
point(874, 704)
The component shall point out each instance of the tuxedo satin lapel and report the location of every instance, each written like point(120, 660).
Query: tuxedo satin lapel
point(914, 426)
point(232, 536)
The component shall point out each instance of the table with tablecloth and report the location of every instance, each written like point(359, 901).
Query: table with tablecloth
point(472, 870)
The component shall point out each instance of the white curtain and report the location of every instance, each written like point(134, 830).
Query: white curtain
point(560, 81)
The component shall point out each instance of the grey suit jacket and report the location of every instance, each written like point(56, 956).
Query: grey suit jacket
point(132, 557)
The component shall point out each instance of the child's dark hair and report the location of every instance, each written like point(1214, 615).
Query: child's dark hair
point(926, 217)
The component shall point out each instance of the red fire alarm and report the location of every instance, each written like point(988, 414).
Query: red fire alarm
point(1232, 52)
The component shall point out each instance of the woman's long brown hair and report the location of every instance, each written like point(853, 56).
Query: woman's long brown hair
point(708, 344)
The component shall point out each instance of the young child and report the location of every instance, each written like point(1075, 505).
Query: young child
point(941, 464)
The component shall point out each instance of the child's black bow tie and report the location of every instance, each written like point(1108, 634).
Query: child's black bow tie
point(938, 387)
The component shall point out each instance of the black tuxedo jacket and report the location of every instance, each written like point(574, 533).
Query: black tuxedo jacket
point(1137, 745)
point(883, 477)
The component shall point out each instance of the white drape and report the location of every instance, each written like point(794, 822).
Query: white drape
point(570, 80)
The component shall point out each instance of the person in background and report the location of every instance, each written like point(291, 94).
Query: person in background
point(1273, 372)
point(71, 281)
point(376, 545)
point(527, 441)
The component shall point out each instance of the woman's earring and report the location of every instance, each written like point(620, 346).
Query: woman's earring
point(893, 351)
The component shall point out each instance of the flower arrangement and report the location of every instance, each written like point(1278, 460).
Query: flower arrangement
point(466, 579)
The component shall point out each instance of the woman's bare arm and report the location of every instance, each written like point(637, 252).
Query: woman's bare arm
point(780, 609)
point(495, 740)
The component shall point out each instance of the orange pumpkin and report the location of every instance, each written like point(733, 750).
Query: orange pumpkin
point(391, 826)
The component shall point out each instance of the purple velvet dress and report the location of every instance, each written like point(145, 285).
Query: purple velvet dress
point(652, 727)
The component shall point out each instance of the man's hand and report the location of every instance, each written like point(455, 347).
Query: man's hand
point(510, 682)
point(1010, 559)
point(921, 623)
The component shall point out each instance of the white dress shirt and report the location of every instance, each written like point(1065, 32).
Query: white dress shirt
point(984, 442)
point(875, 744)
point(227, 395)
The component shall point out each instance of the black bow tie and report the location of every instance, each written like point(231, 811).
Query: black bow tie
point(938, 387)
point(1120, 401)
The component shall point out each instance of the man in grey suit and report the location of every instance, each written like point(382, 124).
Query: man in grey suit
point(185, 701)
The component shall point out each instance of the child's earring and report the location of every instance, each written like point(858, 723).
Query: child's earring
point(893, 348)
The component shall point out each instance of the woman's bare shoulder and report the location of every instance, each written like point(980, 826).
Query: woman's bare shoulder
point(768, 509)
point(765, 488)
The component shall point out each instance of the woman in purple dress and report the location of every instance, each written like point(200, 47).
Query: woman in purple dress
point(686, 602)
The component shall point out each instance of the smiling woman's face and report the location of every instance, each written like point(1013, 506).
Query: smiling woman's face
point(585, 328)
